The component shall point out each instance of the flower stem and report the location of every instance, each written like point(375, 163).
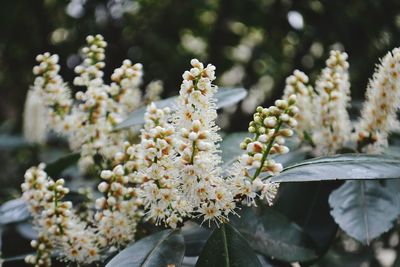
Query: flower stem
point(266, 151)
point(193, 152)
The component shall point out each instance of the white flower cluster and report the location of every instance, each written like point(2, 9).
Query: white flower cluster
point(195, 141)
point(89, 125)
point(53, 91)
point(92, 124)
point(160, 188)
point(181, 172)
point(297, 84)
point(378, 115)
point(59, 228)
point(173, 174)
point(333, 127)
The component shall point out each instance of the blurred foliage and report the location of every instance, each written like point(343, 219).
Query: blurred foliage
point(265, 38)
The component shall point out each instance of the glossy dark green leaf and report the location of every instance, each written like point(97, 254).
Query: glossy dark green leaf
point(13, 211)
point(226, 247)
point(397, 262)
point(13, 243)
point(342, 167)
point(230, 148)
point(195, 238)
point(163, 248)
point(229, 96)
point(56, 167)
point(292, 157)
point(394, 186)
point(26, 230)
point(364, 209)
point(272, 234)
point(394, 139)
point(225, 97)
point(306, 204)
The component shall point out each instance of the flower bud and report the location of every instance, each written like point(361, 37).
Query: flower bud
point(103, 187)
point(106, 174)
point(270, 122)
point(292, 100)
point(281, 104)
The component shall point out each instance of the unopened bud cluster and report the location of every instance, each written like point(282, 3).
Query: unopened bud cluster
point(43, 249)
point(268, 126)
point(89, 71)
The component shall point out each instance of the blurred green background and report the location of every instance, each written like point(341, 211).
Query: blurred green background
point(253, 43)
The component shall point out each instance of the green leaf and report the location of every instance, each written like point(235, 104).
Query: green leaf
point(225, 97)
point(393, 151)
point(292, 157)
point(195, 237)
point(229, 96)
point(13, 211)
point(312, 213)
point(8, 142)
point(230, 148)
point(342, 167)
point(397, 262)
point(160, 249)
point(272, 234)
point(364, 209)
point(26, 230)
point(225, 248)
point(56, 167)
